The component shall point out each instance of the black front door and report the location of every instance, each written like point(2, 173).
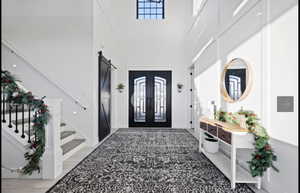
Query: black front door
point(104, 96)
point(150, 98)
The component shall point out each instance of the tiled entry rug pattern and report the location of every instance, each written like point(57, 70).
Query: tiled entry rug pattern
point(146, 161)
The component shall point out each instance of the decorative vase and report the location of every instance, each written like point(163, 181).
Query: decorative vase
point(243, 123)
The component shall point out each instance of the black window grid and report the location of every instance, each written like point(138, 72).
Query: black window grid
point(147, 9)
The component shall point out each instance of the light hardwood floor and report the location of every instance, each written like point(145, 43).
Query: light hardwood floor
point(41, 186)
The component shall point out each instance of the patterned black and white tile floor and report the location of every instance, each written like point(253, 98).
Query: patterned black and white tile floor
point(139, 160)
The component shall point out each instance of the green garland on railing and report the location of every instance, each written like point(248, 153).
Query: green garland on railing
point(17, 96)
point(263, 155)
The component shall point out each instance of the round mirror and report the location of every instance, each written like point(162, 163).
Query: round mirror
point(236, 80)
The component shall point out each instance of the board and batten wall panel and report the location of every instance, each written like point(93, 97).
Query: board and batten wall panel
point(264, 33)
point(244, 40)
point(284, 74)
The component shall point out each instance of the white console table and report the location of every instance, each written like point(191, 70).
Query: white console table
point(236, 138)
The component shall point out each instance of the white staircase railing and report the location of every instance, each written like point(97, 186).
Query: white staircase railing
point(14, 147)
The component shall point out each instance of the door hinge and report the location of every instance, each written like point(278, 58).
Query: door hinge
point(191, 90)
point(191, 122)
point(191, 106)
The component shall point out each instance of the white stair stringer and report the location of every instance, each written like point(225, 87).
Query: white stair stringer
point(13, 149)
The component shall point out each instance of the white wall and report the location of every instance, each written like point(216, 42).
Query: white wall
point(264, 33)
point(205, 94)
point(55, 36)
point(284, 73)
point(67, 35)
point(105, 40)
point(67, 40)
point(61, 40)
point(152, 45)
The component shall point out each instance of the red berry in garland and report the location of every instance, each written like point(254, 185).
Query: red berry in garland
point(267, 147)
point(257, 157)
point(34, 145)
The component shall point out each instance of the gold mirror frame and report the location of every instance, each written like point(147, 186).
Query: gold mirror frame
point(249, 75)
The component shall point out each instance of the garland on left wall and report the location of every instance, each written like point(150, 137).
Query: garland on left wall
point(17, 96)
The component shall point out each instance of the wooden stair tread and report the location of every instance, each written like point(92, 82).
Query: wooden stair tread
point(63, 124)
point(13, 110)
point(31, 132)
point(19, 121)
point(71, 145)
point(65, 134)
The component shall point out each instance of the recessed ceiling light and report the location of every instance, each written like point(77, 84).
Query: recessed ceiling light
point(74, 112)
point(15, 66)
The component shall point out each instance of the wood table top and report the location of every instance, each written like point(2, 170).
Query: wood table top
point(226, 126)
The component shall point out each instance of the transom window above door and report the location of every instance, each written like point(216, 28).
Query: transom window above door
point(150, 9)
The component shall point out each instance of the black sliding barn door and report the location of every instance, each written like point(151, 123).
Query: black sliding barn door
point(150, 98)
point(104, 96)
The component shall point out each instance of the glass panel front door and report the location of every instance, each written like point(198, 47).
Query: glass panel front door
point(150, 98)
point(160, 98)
point(140, 99)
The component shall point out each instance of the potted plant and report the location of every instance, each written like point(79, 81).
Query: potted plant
point(210, 144)
point(120, 87)
point(179, 87)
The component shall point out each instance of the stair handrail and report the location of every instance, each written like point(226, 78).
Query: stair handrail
point(18, 54)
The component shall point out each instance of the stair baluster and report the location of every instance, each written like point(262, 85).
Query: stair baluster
point(35, 116)
point(3, 108)
point(29, 109)
point(23, 136)
point(9, 114)
point(16, 122)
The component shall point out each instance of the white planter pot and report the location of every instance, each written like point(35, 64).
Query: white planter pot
point(211, 145)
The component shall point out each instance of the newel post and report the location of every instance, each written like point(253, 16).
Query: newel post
point(52, 160)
